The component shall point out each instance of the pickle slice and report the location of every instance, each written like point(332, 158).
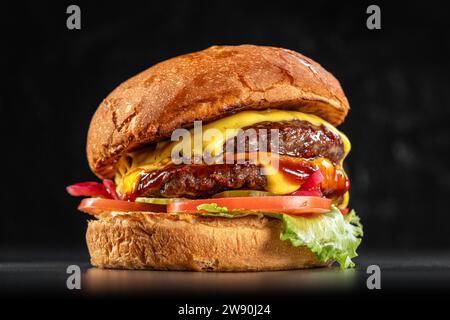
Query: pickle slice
point(158, 200)
point(242, 193)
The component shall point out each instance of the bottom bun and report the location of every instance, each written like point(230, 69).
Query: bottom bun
point(191, 242)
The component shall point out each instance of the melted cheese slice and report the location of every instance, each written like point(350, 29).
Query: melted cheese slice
point(130, 166)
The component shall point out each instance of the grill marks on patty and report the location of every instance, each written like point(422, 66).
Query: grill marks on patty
point(296, 139)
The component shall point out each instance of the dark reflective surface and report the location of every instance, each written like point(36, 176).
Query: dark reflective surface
point(161, 282)
point(403, 274)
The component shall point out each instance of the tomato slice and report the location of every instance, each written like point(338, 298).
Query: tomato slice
point(284, 204)
point(99, 206)
point(344, 211)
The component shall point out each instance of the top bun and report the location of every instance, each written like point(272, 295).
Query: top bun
point(207, 85)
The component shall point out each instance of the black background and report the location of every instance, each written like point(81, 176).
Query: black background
point(396, 79)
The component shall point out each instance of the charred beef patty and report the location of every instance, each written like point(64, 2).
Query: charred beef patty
point(203, 181)
point(200, 181)
point(297, 138)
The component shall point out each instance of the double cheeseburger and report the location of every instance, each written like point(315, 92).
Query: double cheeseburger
point(156, 212)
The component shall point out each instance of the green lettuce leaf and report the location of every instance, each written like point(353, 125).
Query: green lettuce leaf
point(331, 236)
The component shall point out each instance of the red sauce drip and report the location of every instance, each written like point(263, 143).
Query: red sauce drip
point(334, 184)
point(296, 171)
point(151, 180)
point(147, 180)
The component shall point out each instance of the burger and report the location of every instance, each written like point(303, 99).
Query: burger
point(226, 159)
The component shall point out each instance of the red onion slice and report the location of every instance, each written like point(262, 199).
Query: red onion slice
point(111, 188)
point(313, 181)
point(88, 189)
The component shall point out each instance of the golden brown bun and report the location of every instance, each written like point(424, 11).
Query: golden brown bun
point(207, 85)
point(189, 242)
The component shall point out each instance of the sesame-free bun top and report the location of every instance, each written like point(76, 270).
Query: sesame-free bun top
point(207, 85)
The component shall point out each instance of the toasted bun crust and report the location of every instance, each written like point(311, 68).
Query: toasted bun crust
point(189, 242)
point(207, 85)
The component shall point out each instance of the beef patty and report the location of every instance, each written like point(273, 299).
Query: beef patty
point(200, 181)
point(203, 181)
point(296, 139)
